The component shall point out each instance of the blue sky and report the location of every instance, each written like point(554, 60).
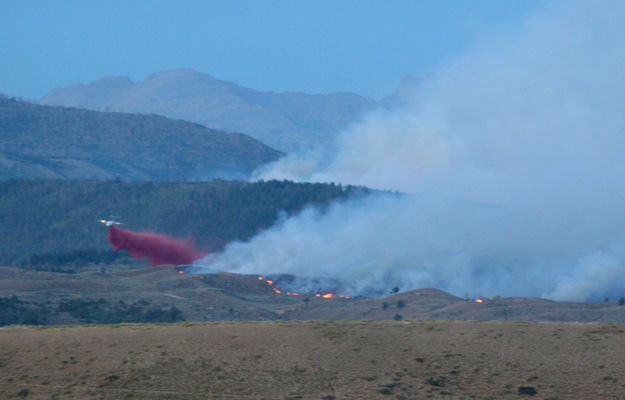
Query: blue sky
point(309, 46)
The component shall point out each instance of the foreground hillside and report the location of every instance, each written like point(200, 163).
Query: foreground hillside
point(51, 220)
point(154, 294)
point(58, 142)
point(315, 360)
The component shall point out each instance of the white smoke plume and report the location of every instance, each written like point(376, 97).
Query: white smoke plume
point(514, 157)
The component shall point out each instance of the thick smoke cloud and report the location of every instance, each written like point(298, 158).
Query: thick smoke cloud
point(514, 156)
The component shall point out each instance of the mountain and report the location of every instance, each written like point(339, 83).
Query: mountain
point(46, 141)
point(286, 121)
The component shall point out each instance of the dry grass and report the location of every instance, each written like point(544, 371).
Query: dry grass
point(315, 360)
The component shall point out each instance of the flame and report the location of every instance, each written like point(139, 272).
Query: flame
point(482, 300)
point(322, 295)
point(181, 272)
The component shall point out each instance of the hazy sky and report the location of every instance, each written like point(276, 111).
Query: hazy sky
point(310, 46)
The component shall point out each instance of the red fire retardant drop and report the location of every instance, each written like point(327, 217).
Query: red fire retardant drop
point(158, 249)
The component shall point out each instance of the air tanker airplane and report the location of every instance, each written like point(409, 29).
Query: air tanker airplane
point(110, 222)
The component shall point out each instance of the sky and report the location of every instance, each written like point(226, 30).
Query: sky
point(318, 46)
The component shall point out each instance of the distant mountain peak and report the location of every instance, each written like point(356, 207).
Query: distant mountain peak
point(179, 73)
point(287, 121)
point(118, 80)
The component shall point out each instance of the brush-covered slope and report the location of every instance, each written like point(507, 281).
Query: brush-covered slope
point(315, 360)
point(151, 293)
point(285, 121)
point(46, 221)
point(44, 141)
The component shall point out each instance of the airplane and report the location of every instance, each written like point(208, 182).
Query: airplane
point(110, 222)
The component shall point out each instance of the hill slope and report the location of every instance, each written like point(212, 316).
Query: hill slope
point(60, 216)
point(228, 297)
point(44, 141)
point(285, 121)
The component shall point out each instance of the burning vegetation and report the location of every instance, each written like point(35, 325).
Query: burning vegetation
point(482, 300)
point(322, 294)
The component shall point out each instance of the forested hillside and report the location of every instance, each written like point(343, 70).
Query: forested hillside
point(48, 221)
point(59, 142)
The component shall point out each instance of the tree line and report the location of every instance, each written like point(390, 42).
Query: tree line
point(52, 223)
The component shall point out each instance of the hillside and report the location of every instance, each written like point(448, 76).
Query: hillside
point(285, 121)
point(111, 295)
point(59, 142)
point(315, 360)
point(47, 222)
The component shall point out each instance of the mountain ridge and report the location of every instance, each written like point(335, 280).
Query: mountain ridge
point(63, 142)
point(287, 121)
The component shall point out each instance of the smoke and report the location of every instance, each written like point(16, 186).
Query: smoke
point(157, 249)
point(514, 157)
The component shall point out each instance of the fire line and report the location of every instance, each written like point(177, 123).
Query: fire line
point(321, 295)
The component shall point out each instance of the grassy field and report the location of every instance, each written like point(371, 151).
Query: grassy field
point(315, 360)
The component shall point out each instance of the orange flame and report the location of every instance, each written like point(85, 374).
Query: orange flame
point(322, 295)
point(482, 300)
